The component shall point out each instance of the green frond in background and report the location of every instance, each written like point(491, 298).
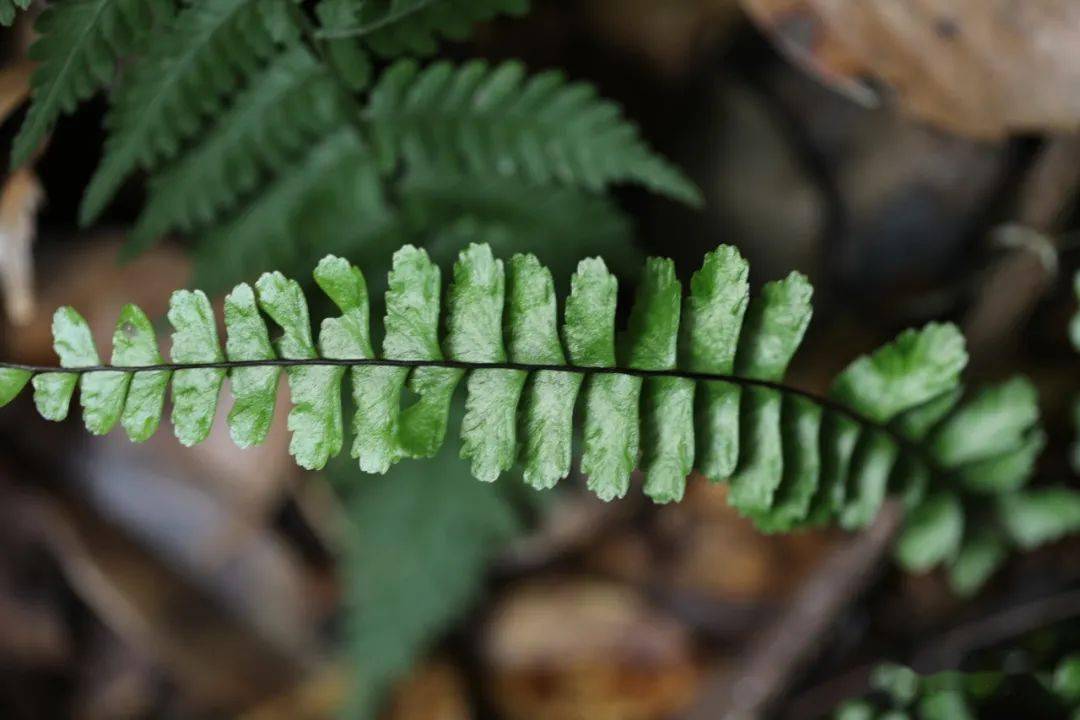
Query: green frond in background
point(900, 692)
point(188, 74)
point(404, 589)
point(498, 121)
point(894, 421)
point(79, 44)
point(287, 107)
point(267, 143)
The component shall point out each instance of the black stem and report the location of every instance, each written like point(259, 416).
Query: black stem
point(823, 401)
point(385, 21)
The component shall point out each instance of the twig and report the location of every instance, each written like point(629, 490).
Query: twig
point(950, 650)
point(781, 651)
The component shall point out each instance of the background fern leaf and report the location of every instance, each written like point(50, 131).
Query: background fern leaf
point(286, 108)
point(77, 49)
point(191, 67)
point(394, 614)
point(497, 121)
point(329, 199)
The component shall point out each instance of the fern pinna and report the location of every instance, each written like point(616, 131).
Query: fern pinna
point(693, 382)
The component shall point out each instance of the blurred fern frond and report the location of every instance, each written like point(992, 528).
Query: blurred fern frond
point(236, 109)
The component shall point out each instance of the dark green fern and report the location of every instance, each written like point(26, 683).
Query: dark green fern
point(499, 121)
point(253, 118)
point(79, 45)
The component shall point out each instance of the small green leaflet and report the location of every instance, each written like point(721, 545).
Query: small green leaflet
point(12, 381)
point(474, 334)
point(255, 388)
point(549, 397)
point(713, 319)
point(667, 435)
point(194, 340)
point(316, 416)
point(775, 324)
point(933, 533)
point(135, 344)
point(611, 428)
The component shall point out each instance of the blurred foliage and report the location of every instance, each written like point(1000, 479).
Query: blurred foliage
point(419, 541)
point(270, 140)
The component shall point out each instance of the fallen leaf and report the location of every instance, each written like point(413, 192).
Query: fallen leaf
point(19, 201)
point(435, 690)
point(14, 86)
point(974, 67)
point(573, 649)
point(671, 35)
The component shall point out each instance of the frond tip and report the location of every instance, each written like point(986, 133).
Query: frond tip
point(693, 382)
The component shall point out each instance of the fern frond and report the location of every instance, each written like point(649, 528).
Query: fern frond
point(411, 27)
point(325, 199)
point(78, 45)
point(432, 205)
point(345, 212)
point(190, 68)
point(285, 109)
point(692, 382)
point(500, 121)
point(9, 8)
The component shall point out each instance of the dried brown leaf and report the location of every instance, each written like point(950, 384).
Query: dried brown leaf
point(19, 201)
point(14, 86)
point(979, 67)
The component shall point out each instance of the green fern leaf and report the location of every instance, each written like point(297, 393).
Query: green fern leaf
point(316, 417)
point(1035, 517)
point(774, 328)
point(980, 556)
point(394, 615)
point(286, 108)
point(9, 8)
point(610, 434)
point(12, 381)
point(893, 422)
point(495, 120)
point(667, 404)
point(714, 318)
point(994, 422)
point(932, 534)
point(474, 334)
point(190, 68)
point(329, 197)
point(78, 45)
